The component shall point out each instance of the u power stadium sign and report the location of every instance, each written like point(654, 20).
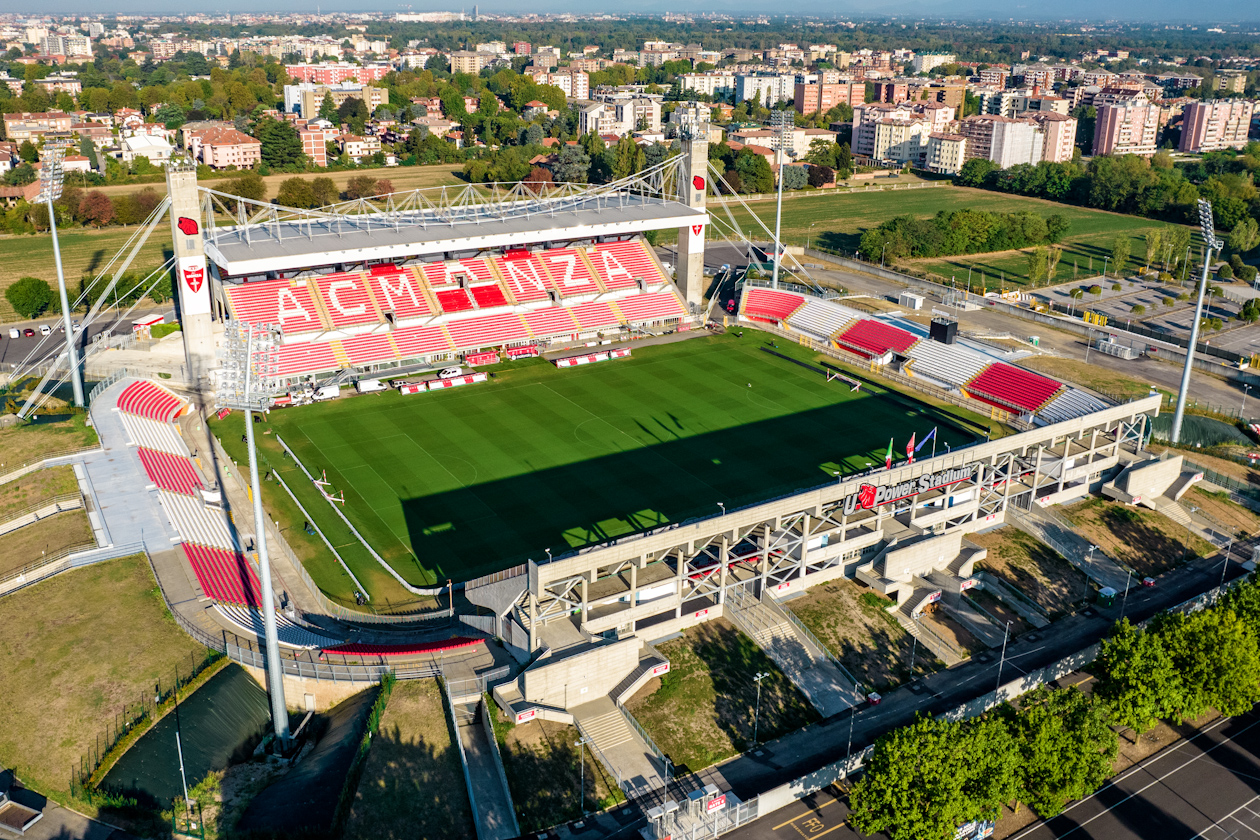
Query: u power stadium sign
point(870, 495)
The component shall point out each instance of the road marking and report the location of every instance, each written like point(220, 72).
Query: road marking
point(806, 814)
point(1141, 767)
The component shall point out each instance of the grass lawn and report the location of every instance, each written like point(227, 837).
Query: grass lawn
point(701, 712)
point(1148, 541)
point(75, 649)
point(852, 622)
point(34, 489)
point(403, 178)
point(458, 484)
point(540, 760)
point(1216, 504)
point(1033, 568)
point(31, 543)
point(82, 252)
point(412, 785)
point(22, 445)
point(1224, 466)
point(1093, 377)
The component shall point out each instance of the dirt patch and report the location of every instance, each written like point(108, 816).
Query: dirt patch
point(853, 623)
point(1217, 505)
point(950, 629)
point(43, 539)
point(1224, 466)
point(26, 444)
point(1032, 567)
point(1147, 541)
point(702, 711)
point(35, 488)
point(1096, 378)
point(412, 784)
point(988, 602)
point(540, 759)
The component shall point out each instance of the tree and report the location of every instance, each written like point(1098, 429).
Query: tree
point(281, 145)
point(296, 192)
point(1057, 225)
point(20, 175)
point(1066, 747)
point(1138, 309)
point(323, 191)
point(754, 172)
point(328, 110)
point(538, 179)
point(1137, 678)
point(248, 185)
point(361, 186)
point(354, 113)
point(625, 159)
point(976, 172)
point(1217, 656)
point(96, 209)
point(27, 152)
point(821, 176)
point(926, 779)
point(1054, 253)
point(1250, 312)
point(1225, 272)
point(1037, 259)
point(170, 115)
point(29, 296)
point(572, 165)
point(1120, 253)
point(1169, 302)
point(88, 149)
point(384, 186)
point(1244, 236)
point(794, 177)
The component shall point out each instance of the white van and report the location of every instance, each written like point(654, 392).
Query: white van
point(450, 373)
point(328, 392)
point(367, 386)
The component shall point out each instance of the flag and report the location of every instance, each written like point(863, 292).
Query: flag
point(910, 448)
point(926, 438)
point(888, 457)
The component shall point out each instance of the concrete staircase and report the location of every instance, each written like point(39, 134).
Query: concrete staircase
point(487, 784)
point(636, 765)
point(802, 658)
point(905, 616)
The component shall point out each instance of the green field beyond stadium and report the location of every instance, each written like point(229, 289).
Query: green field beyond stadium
point(476, 479)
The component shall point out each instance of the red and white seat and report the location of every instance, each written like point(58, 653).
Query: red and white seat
point(413, 342)
point(346, 300)
point(525, 276)
point(486, 331)
point(454, 300)
point(1012, 388)
point(302, 358)
point(398, 292)
point(654, 306)
point(369, 349)
point(552, 321)
point(621, 264)
point(595, 315)
point(224, 575)
point(148, 399)
point(170, 472)
point(769, 304)
point(569, 272)
point(871, 338)
point(284, 302)
point(488, 295)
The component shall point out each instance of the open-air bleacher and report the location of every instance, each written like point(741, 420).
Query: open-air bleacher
point(393, 314)
point(148, 399)
point(197, 523)
point(1071, 403)
point(821, 319)
point(170, 472)
point(769, 305)
point(871, 338)
point(1012, 388)
point(453, 643)
point(288, 633)
point(949, 364)
point(151, 434)
point(224, 575)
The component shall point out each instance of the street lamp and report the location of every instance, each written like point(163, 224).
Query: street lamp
point(1243, 407)
point(837, 475)
point(248, 383)
point(1124, 602)
point(757, 713)
point(580, 743)
point(1105, 261)
point(1225, 564)
point(52, 177)
point(1006, 635)
point(1208, 229)
point(548, 550)
point(809, 233)
point(848, 751)
point(723, 507)
point(1089, 340)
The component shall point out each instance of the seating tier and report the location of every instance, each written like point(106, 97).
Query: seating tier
point(594, 315)
point(346, 300)
point(170, 472)
point(770, 304)
point(284, 302)
point(551, 321)
point(486, 331)
point(525, 277)
point(399, 292)
point(224, 575)
point(569, 272)
point(869, 338)
point(1010, 387)
point(148, 399)
point(655, 306)
point(621, 264)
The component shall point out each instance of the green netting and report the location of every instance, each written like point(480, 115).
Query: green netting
point(1198, 430)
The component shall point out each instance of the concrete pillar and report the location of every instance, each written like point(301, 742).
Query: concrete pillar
point(693, 183)
point(191, 275)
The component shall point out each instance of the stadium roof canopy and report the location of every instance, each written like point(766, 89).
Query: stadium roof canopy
point(284, 239)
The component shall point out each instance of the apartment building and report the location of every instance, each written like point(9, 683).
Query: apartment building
point(715, 84)
point(306, 98)
point(315, 139)
point(1006, 141)
point(946, 153)
point(1060, 135)
point(336, 73)
point(71, 46)
point(900, 141)
point(995, 77)
point(464, 61)
point(819, 98)
point(927, 62)
point(33, 126)
point(764, 88)
point(620, 115)
point(1128, 126)
point(223, 147)
point(357, 148)
point(936, 117)
point(891, 91)
point(1217, 124)
point(575, 83)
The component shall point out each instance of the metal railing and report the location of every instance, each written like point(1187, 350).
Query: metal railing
point(808, 634)
point(624, 786)
point(55, 501)
point(40, 464)
point(666, 764)
point(104, 384)
point(59, 561)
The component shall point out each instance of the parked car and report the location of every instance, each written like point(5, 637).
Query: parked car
point(367, 386)
point(450, 373)
point(28, 332)
point(13, 333)
point(44, 329)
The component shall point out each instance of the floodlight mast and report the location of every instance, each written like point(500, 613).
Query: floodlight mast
point(245, 344)
point(783, 123)
point(52, 175)
point(1210, 242)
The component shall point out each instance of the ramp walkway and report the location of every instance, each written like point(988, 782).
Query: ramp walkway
point(800, 656)
point(1057, 533)
point(907, 616)
point(487, 783)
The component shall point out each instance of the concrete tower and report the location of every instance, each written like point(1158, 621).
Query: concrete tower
point(693, 184)
point(191, 275)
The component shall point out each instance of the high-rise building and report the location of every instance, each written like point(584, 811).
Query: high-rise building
point(820, 98)
point(946, 153)
point(1218, 124)
point(1004, 140)
point(1060, 135)
point(1126, 127)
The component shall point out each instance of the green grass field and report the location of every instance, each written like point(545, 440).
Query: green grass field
point(466, 482)
point(839, 220)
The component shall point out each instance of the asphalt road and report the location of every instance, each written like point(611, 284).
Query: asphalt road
point(1207, 786)
point(821, 814)
point(14, 351)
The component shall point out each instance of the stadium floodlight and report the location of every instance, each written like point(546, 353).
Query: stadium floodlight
point(783, 123)
point(1207, 227)
point(52, 176)
point(248, 384)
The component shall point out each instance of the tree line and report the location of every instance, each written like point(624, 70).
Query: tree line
point(966, 231)
point(1052, 746)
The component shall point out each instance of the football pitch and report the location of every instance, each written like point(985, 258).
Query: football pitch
point(465, 482)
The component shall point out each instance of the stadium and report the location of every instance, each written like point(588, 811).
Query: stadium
point(504, 403)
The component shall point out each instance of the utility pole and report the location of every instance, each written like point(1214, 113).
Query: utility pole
point(581, 745)
point(757, 713)
point(783, 122)
point(1208, 229)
